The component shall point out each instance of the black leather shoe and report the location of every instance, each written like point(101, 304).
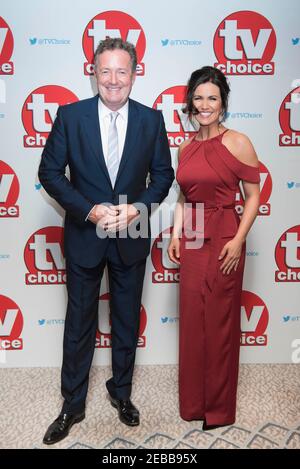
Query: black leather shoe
point(60, 428)
point(206, 427)
point(128, 414)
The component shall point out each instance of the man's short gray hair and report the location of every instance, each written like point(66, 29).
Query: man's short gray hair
point(113, 43)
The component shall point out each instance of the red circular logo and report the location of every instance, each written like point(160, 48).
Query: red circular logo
point(287, 256)
point(6, 48)
point(171, 102)
point(289, 119)
point(9, 191)
point(103, 335)
point(165, 271)
point(254, 320)
point(11, 324)
point(39, 112)
point(113, 24)
point(244, 44)
point(44, 257)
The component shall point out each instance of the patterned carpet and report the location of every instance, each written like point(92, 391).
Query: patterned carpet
point(268, 414)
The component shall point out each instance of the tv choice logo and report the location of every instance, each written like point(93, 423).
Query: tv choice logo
point(113, 24)
point(39, 112)
point(103, 334)
point(171, 102)
point(244, 44)
point(165, 271)
point(44, 257)
point(6, 48)
point(265, 193)
point(9, 192)
point(287, 256)
point(289, 119)
point(254, 320)
point(11, 325)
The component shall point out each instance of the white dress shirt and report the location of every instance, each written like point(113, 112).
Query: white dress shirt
point(121, 123)
point(104, 121)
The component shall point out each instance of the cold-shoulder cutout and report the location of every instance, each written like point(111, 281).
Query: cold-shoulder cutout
point(243, 171)
point(240, 147)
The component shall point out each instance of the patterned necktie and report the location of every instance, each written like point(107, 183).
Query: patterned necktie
point(113, 148)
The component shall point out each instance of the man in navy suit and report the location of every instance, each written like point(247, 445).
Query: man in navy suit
point(111, 144)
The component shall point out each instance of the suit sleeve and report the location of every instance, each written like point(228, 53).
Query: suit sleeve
point(161, 171)
point(52, 171)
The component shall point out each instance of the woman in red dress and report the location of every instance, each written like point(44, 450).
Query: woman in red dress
point(211, 166)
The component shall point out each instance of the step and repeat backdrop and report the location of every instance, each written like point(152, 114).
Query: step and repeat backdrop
point(46, 51)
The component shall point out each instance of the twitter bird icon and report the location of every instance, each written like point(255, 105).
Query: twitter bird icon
point(164, 42)
point(33, 41)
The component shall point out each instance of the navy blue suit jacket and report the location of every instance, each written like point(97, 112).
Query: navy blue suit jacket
point(75, 141)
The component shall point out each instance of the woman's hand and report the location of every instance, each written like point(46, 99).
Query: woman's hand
point(174, 250)
point(231, 254)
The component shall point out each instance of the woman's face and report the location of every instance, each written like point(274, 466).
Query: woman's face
point(207, 100)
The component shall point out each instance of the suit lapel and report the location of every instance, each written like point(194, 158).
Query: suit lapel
point(92, 130)
point(133, 127)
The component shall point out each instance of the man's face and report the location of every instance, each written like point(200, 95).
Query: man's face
point(114, 77)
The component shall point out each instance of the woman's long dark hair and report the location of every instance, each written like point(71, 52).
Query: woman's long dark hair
point(204, 75)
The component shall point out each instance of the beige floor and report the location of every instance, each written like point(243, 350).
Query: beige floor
point(268, 413)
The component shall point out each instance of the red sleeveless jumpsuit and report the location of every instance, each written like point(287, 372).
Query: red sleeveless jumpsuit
point(210, 305)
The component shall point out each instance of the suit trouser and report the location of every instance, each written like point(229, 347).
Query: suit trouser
point(83, 286)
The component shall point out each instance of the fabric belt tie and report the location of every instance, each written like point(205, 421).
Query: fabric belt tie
point(217, 229)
